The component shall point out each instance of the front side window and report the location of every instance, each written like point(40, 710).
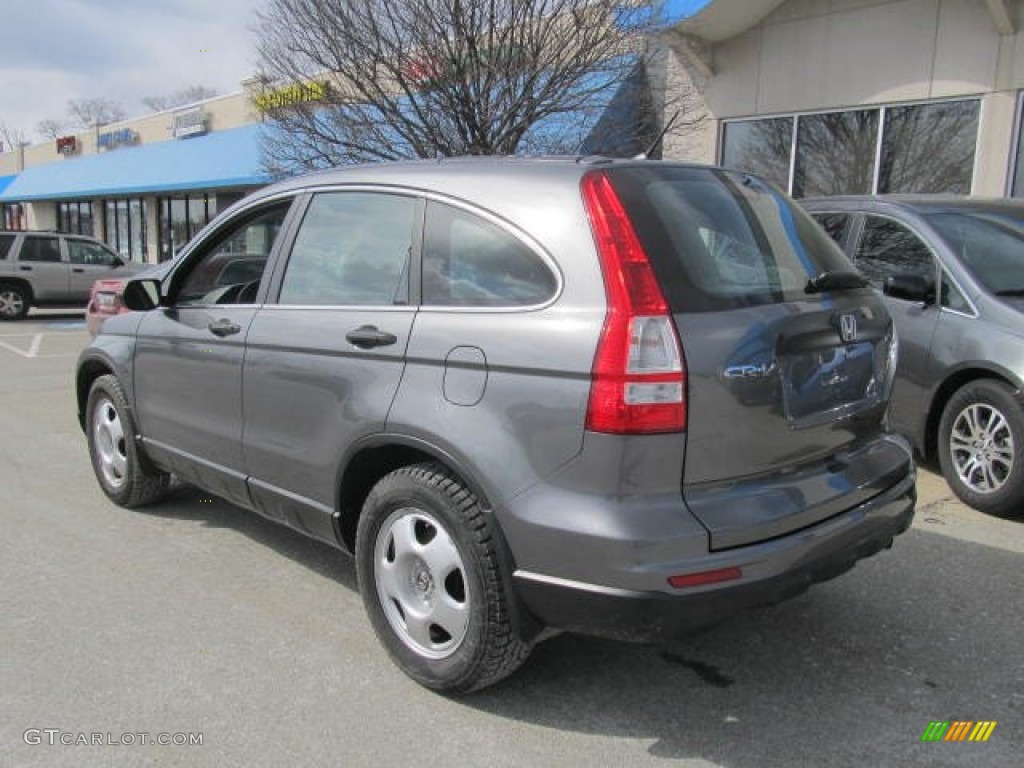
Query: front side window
point(230, 269)
point(990, 244)
point(888, 248)
point(6, 241)
point(471, 262)
point(40, 249)
point(353, 249)
point(94, 254)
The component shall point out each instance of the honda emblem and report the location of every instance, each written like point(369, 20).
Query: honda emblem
point(848, 328)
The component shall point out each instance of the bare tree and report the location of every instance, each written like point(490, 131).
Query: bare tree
point(99, 111)
point(367, 80)
point(50, 128)
point(11, 138)
point(189, 95)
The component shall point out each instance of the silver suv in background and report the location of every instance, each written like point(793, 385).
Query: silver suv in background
point(952, 269)
point(51, 269)
point(618, 397)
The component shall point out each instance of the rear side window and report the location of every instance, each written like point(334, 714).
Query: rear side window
point(40, 249)
point(471, 262)
point(888, 248)
point(353, 249)
point(6, 241)
point(719, 239)
point(94, 254)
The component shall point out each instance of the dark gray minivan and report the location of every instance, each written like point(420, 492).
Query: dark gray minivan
point(617, 397)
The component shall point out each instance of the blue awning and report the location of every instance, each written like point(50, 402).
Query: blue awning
point(6, 180)
point(228, 158)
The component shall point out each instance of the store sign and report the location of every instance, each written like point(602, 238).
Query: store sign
point(115, 139)
point(67, 145)
point(292, 95)
point(191, 122)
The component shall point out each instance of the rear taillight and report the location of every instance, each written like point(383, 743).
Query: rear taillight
point(638, 382)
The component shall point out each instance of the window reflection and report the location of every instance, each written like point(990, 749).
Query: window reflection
point(760, 146)
point(835, 153)
point(929, 148)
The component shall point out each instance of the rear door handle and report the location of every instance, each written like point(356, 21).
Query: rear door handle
point(78, 269)
point(25, 268)
point(224, 327)
point(368, 336)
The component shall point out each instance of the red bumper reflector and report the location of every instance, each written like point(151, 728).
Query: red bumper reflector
point(707, 577)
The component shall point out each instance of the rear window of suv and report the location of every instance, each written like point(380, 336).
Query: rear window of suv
point(719, 240)
point(6, 241)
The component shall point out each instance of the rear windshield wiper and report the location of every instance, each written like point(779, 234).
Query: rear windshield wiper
point(835, 281)
point(1010, 292)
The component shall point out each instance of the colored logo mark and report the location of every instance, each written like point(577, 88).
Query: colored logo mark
point(958, 730)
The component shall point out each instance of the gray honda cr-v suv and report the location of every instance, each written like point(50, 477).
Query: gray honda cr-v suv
point(618, 397)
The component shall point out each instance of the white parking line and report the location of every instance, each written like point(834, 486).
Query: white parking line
point(33, 346)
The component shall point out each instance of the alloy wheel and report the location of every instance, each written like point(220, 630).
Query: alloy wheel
point(108, 438)
point(981, 447)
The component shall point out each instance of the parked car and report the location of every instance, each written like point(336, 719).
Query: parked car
point(52, 269)
point(953, 273)
point(619, 397)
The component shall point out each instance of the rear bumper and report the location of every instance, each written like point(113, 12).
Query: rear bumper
point(772, 571)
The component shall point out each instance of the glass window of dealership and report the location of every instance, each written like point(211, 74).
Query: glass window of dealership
point(922, 147)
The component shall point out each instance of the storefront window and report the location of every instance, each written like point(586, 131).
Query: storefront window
point(125, 223)
point(181, 218)
point(923, 148)
point(12, 216)
point(75, 218)
point(763, 147)
point(929, 148)
point(835, 153)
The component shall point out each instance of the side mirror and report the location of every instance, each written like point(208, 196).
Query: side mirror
point(142, 295)
point(910, 287)
point(116, 262)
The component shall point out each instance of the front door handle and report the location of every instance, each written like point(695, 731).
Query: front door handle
point(25, 268)
point(224, 327)
point(78, 269)
point(367, 336)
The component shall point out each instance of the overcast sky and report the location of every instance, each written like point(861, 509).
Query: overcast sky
point(55, 50)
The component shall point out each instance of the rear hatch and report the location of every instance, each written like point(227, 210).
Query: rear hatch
point(788, 355)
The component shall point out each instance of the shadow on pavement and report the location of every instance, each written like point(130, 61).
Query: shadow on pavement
point(850, 673)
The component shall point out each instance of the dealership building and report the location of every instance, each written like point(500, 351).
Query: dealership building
point(857, 96)
point(821, 96)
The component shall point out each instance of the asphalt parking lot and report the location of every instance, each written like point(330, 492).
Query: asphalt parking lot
point(194, 617)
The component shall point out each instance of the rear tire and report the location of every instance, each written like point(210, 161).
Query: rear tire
point(15, 301)
point(123, 474)
point(431, 583)
point(981, 439)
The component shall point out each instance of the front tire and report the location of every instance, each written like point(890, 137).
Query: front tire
point(431, 583)
point(981, 439)
point(125, 477)
point(15, 301)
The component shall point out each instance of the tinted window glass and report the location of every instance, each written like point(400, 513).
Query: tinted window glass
point(929, 148)
point(353, 248)
point(763, 147)
point(951, 296)
point(719, 240)
point(990, 244)
point(40, 249)
point(470, 262)
point(837, 225)
point(835, 153)
point(889, 248)
point(6, 241)
point(230, 270)
point(84, 252)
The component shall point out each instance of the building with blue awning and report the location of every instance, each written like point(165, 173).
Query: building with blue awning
point(145, 186)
